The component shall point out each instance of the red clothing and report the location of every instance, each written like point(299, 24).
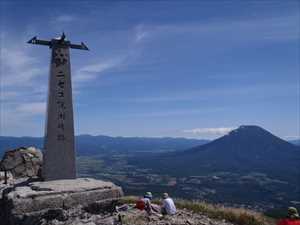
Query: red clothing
point(289, 222)
point(140, 204)
point(143, 204)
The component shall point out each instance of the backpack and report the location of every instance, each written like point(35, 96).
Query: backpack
point(289, 222)
point(140, 204)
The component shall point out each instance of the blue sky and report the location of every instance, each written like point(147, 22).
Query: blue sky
point(156, 68)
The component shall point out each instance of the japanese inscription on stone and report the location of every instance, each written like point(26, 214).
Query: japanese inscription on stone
point(61, 105)
point(59, 146)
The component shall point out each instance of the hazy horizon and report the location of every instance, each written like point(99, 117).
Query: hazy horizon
point(198, 138)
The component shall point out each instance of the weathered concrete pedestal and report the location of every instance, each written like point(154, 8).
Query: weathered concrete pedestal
point(30, 203)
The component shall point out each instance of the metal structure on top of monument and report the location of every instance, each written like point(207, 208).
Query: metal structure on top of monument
point(59, 146)
point(58, 41)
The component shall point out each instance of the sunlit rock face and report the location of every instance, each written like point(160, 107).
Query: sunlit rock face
point(23, 162)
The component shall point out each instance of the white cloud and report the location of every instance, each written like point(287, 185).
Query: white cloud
point(20, 120)
point(15, 58)
point(22, 87)
point(292, 137)
point(65, 19)
point(34, 108)
point(141, 33)
point(99, 67)
point(268, 28)
point(91, 71)
point(18, 67)
point(114, 62)
point(7, 95)
point(210, 131)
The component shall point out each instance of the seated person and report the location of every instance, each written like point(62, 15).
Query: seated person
point(145, 203)
point(292, 217)
point(168, 206)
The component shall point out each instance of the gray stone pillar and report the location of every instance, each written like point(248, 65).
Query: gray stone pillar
point(59, 153)
point(59, 147)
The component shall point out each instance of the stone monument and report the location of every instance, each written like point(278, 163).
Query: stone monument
point(31, 202)
point(59, 147)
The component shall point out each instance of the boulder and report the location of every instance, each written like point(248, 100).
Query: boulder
point(23, 162)
point(9, 176)
point(34, 201)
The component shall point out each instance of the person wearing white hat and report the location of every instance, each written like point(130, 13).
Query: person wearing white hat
point(168, 206)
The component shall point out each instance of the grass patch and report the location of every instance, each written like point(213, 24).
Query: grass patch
point(236, 216)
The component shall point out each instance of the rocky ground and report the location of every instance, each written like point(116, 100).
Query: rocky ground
point(183, 217)
point(80, 216)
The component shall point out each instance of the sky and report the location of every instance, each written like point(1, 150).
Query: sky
point(194, 69)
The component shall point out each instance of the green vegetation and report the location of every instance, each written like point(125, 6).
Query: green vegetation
point(236, 216)
point(228, 188)
point(89, 165)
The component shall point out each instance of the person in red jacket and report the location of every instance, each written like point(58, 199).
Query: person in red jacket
point(292, 217)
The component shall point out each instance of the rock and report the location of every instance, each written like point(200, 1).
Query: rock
point(106, 221)
point(59, 200)
point(182, 217)
point(23, 162)
point(57, 214)
point(9, 176)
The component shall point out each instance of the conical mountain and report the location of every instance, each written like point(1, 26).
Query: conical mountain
point(244, 150)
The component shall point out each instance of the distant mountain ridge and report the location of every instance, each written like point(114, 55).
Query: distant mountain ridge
point(91, 145)
point(249, 165)
point(295, 142)
point(243, 150)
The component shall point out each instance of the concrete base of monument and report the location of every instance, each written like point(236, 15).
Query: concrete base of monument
point(25, 204)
